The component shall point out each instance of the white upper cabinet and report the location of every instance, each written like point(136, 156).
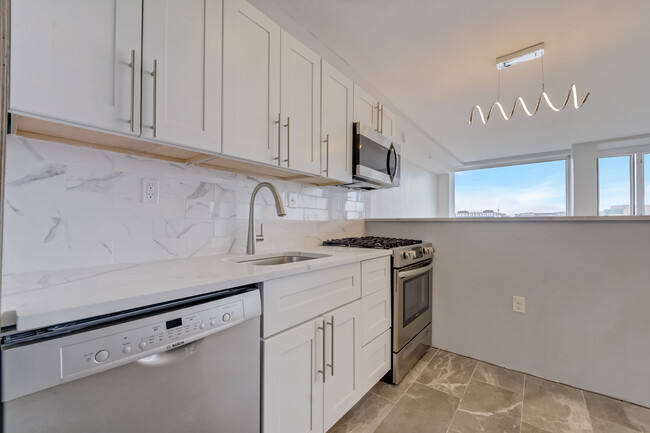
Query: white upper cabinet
point(336, 124)
point(78, 61)
point(300, 106)
point(181, 72)
point(371, 112)
point(366, 108)
point(251, 84)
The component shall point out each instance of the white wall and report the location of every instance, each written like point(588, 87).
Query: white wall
point(587, 290)
point(415, 197)
point(69, 206)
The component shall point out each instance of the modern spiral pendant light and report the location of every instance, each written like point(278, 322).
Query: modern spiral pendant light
point(512, 59)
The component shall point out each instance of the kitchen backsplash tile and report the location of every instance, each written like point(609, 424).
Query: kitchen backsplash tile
point(69, 207)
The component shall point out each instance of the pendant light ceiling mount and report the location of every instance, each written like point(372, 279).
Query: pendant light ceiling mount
point(524, 55)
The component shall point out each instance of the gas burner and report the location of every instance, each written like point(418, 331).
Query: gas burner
point(371, 242)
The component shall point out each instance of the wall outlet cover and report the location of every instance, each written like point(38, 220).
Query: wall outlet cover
point(293, 199)
point(150, 190)
point(519, 304)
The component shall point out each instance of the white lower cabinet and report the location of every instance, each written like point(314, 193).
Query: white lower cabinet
point(375, 360)
point(312, 372)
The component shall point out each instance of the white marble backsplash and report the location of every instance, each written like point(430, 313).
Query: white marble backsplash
point(68, 207)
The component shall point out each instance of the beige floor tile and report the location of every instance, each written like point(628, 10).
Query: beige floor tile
point(428, 355)
point(394, 392)
point(554, 407)
point(499, 376)
point(488, 409)
point(420, 410)
point(448, 373)
point(602, 426)
point(618, 412)
point(527, 428)
point(365, 416)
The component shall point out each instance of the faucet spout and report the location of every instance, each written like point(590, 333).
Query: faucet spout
point(279, 207)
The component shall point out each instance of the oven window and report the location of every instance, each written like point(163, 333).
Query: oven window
point(416, 297)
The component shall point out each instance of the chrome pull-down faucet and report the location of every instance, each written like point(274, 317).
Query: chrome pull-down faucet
point(279, 207)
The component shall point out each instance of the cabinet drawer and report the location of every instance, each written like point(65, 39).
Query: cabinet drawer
point(292, 300)
point(375, 315)
point(375, 275)
point(375, 360)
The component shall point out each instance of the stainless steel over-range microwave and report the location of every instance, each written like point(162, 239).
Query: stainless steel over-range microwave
point(375, 160)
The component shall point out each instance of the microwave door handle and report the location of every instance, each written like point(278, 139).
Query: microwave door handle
point(412, 273)
point(392, 150)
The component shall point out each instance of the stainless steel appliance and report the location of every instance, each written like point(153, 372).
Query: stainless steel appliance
point(190, 365)
point(412, 263)
point(375, 160)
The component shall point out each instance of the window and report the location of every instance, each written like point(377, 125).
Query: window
point(646, 186)
point(615, 186)
point(525, 190)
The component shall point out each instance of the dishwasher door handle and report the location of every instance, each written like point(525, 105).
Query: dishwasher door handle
point(170, 357)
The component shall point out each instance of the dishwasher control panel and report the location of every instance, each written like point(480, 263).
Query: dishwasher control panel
point(138, 342)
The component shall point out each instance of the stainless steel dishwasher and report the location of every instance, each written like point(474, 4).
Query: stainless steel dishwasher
point(186, 366)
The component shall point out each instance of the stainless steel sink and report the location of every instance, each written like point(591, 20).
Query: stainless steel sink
point(281, 259)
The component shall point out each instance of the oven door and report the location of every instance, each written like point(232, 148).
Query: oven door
point(412, 302)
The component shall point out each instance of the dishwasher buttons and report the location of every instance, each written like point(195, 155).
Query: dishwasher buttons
point(213, 322)
point(142, 345)
point(101, 356)
point(226, 317)
point(202, 326)
point(126, 349)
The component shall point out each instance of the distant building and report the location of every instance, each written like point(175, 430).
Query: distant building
point(620, 209)
point(489, 213)
point(540, 214)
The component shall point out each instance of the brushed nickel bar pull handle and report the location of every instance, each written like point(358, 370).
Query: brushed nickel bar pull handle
point(377, 128)
point(324, 347)
point(132, 66)
point(327, 155)
point(331, 365)
point(381, 118)
point(288, 125)
point(154, 74)
point(279, 135)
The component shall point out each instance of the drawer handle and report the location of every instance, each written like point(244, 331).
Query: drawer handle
point(154, 74)
point(132, 65)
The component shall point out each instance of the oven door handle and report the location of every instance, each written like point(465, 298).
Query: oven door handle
point(414, 272)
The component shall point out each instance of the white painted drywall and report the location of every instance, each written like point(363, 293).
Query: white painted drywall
point(415, 197)
point(587, 290)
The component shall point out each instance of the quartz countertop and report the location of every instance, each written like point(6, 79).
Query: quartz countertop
point(39, 299)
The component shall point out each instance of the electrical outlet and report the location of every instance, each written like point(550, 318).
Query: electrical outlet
point(150, 190)
point(519, 304)
point(293, 199)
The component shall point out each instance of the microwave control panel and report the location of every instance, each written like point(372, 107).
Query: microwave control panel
point(141, 341)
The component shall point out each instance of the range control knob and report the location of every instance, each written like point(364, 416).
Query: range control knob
point(102, 356)
point(142, 345)
point(226, 317)
point(428, 251)
point(409, 255)
point(126, 349)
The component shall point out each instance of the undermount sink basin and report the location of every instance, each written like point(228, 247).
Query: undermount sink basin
point(282, 258)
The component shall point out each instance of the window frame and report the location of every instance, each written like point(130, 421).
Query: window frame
point(494, 164)
point(637, 176)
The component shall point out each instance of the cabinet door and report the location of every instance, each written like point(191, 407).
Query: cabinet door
point(251, 83)
point(71, 60)
point(376, 360)
point(292, 385)
point(387, 123)
point(183, 41)
point(300, 106)
point(344, 382)
point(336, 124)
point(366, 108)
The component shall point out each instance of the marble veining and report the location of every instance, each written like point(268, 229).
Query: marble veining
point(448, 373)
point(498, 407)
point(68, 207)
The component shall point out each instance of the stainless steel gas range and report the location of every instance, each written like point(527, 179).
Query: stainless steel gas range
point(411, 297)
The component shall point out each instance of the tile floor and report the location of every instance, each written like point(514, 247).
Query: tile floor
point(449, 393)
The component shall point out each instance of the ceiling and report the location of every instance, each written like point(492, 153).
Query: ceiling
point(435, 59)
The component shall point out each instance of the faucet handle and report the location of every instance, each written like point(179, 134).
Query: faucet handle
point(260, 237)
